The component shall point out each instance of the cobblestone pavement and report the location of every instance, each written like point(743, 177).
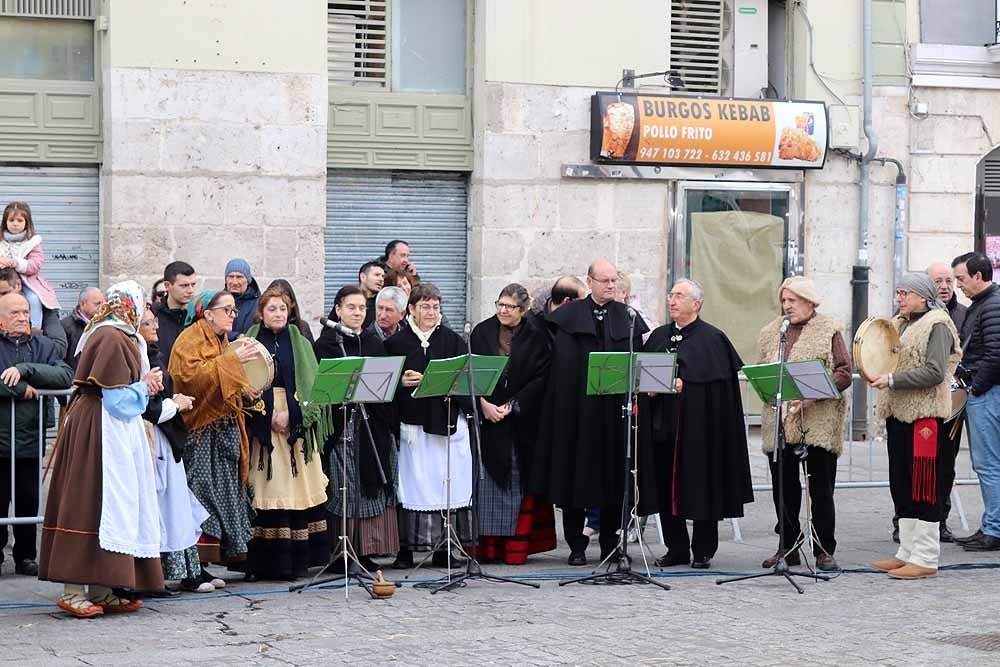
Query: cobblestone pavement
point(858, 618)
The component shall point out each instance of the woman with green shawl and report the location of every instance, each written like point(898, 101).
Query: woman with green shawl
point(286, 442)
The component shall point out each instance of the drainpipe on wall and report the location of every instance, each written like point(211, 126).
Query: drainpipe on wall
point(859, 278)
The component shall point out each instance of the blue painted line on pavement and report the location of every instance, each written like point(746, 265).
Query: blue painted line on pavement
point(554, 576)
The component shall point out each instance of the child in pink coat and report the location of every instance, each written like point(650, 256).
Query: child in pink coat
point(21, 249)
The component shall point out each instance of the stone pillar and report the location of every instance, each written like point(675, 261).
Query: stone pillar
point(215, 119)
point(531, 225)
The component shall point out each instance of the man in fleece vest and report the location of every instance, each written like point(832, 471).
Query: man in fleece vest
point(814, 429)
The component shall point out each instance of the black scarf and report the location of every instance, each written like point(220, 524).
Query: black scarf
point(280, 346)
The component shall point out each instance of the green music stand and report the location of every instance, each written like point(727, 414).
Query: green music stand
point(804, 380)
point(450, 377)
point(652, 372)
point(356, 380)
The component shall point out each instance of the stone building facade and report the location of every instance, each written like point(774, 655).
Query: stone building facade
point(303, 136)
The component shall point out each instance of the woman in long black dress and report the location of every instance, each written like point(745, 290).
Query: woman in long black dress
point(513, 525)
point(373, 505)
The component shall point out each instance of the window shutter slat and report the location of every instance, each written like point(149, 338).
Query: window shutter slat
point(357, 45)
point(695, 44)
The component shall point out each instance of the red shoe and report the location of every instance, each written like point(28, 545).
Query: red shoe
point(80, 612)
point(133, 605)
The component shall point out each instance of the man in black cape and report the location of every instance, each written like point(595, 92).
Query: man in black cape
point(693, 460)
point(580, 455)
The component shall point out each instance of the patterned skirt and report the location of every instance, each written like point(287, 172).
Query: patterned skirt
point(212, 462)
point(373, 536)
point(534, 533)
point(286, 543)
point(179, 565)
point(512, 525)
point(423, 531)
point(376, 532)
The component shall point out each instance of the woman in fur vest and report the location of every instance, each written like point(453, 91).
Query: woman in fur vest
point(915, 401)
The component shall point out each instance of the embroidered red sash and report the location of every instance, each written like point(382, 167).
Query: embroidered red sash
point(925, 438)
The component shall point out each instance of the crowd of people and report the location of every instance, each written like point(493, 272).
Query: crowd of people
point(169, 461)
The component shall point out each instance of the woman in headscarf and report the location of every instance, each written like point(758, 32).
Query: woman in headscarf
point(430, 434)
point(101, 518)
point(915, 401)
point(294, 316)
point(181, 515)
point(512, 525)
point(286, 471)
point(217, 452)
point(370, 503)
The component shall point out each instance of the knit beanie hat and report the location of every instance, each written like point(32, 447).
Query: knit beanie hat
point(239, 265)
point(802, 287)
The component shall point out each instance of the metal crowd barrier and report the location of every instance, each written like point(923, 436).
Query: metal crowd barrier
point(13, 519)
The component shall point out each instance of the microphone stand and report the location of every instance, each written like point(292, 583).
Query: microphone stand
point(353, 569)
point(780, 568)
point(473, 570)
point(622, 572)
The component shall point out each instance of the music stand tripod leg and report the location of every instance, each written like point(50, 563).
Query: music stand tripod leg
point(473, 569)
point(781, 567)
point(353, 570)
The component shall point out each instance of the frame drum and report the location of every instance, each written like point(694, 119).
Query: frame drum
point(260, 371)
point(876, 348)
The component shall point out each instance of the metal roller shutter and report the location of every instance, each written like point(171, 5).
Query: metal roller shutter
point(366, 210)
point(64, 207)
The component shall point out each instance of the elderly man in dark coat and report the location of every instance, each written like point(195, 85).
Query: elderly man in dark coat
point(693, 459)
point(88, 302)
point(580, 453)
point(28, 362)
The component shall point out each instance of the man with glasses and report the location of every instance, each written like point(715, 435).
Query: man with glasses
point(693, 441)
point(580, 453)
point(88, 302)
point(980, 336)
point(944, 280)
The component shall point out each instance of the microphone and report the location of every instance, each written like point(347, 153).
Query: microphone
point(631, 312)
point(785, 321)
point(338, 327)
point(468, 329)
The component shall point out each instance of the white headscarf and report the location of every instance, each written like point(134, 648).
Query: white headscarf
point(123, 310)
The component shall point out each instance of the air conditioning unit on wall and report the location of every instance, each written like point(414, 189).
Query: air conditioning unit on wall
point(720, 46)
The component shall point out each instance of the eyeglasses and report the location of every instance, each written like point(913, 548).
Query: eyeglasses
point(228, 310)
point(159, 295)
point(604, 281)
point(901, 293)
point(506, 306)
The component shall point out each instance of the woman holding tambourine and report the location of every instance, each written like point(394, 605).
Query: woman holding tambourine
point(216, 454)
